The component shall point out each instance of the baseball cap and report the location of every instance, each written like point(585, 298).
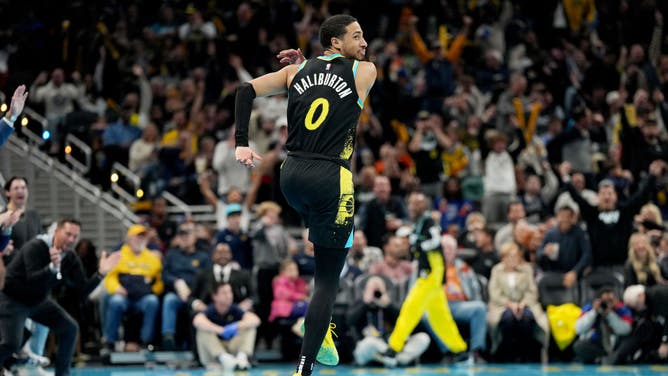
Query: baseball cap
point(136, 230)
point(232, 209)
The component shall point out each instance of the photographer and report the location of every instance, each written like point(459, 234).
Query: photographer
point(372, 319)
point(601, 325)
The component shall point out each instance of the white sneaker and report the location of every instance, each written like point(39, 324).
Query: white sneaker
point(228, 362)
point(242, 361)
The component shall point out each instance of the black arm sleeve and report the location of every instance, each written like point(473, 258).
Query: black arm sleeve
point(242, 110)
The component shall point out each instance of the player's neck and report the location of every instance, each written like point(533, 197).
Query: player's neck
point(332, 51)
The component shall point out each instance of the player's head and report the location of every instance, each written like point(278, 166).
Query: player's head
point(343, 34)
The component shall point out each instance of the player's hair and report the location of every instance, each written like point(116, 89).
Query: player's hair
point(9, 182)
point(334, 27)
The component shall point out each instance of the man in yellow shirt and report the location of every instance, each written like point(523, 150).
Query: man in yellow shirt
point(134, 285)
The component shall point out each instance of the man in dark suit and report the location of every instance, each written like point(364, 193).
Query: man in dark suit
point(222, 271)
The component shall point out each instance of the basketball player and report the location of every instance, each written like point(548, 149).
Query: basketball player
point(326, 95)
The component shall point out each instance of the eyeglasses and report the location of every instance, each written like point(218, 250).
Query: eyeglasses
point(185, 231)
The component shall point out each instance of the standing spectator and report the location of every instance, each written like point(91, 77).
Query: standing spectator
point(454, 208)
point(236, 238)
point(225, 332)
point(180, 266)
point(143, 152)
point(425, 147)
point(58, 98)
point(515, 214)
point(641, 144)
point(465, 298)
point(573, 144)
point(642, 268)
point(385, 213)
point(271, 244)
point(223, 270)
point(515, 317)
point(119, 136)
point(537, 197)
point(602, 326)
point(610, 224)
point(134, 284)
point(580, 184)
point(565, 252)
point(499, 178)
point(30, 225)
point(230, 172)
point(38, 266)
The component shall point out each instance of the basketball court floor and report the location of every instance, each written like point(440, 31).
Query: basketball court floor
point(486, 370)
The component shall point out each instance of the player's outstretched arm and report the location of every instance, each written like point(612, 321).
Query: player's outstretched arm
point(268, 84)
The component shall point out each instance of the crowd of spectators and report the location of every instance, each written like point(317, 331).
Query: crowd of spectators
point(537, 129)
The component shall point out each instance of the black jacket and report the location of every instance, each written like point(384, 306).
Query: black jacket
point(609, 232)
point(205, 283)
point(29, 279)
point(656, 299)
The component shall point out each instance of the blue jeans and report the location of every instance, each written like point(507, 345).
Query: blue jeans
point(473, 313)
point(170, 309)
point(38, 336)
point(118, 305)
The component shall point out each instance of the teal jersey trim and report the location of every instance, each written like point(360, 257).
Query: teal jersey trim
point(301, 66)
point(329, 57)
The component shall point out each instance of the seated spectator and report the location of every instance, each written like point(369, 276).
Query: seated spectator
point(474, 221)
point(134, 285)
point(394, 265)
point(486, 256)
point(223, 270)
point(235, 237)
point(372, 318)
point(464, 297)
point(565, 252)
point(159, 220)
point(454, 208)
point(225, 332)
point(305, 258)
point(515, 317)
point(383, 214)
point(642, 267)
point(601, 327)
point(290, 293)
point(361, 256)
point(180, 266)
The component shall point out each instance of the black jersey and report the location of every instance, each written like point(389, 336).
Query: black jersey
point(324, 108)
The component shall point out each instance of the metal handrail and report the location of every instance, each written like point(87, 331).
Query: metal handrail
point(130, 176)
point(72, 179)
point(83, 168)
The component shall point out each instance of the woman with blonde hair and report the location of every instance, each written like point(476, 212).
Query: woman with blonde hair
point(641, 267)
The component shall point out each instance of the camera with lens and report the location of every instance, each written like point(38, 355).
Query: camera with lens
point(377, 294)
point(604, 305)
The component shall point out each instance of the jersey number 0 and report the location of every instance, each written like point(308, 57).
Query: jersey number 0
point(310, 124)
